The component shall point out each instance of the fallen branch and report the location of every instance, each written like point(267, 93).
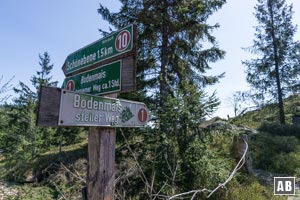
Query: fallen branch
point(75, 175)
point(58, 190)
point(144, 179)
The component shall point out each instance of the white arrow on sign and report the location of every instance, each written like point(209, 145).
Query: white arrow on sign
point(78, 109)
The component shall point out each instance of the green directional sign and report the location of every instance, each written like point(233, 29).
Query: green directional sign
point(78, 109)
point(113, 45)
point(104, 79)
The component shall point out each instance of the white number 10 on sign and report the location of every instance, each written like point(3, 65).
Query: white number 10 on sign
point(123, 40)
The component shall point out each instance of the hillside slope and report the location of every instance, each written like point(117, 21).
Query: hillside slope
point(269, 113)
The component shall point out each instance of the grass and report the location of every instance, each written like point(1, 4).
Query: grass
point(247, 187)
point(54, 174)
point(30, 192)
point(68, 155)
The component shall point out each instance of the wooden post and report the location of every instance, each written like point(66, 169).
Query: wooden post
point(101, 168)
point(101, 162)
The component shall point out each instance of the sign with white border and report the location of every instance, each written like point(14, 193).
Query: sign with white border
point(102, 80)
point(78, 109)
point(113, 45)
point(284, 185)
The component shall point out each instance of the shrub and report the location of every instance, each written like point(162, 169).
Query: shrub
point(251, 190)
point(275, 153)
point(282, 130)
point(287, 163)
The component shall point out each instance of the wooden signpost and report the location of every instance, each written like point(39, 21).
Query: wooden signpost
point(106, 66)
point(60, 107)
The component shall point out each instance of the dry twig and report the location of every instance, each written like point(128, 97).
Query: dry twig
point(221, 185)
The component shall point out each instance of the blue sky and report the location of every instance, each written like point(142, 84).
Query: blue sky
point(60, 27)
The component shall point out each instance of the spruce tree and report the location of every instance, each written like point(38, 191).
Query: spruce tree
point(23, 116)
point(171, 37)
point(175, 49)
point(274, 73)
point(43, 77)
point(4, 88)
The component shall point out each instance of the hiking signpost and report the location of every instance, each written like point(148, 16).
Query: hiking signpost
point(110, 60)
point(87, 110)
point(101, 80)
point(118, 44)
point(107, 66)
point(59, 107)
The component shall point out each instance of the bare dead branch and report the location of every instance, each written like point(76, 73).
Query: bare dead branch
point(221, 185)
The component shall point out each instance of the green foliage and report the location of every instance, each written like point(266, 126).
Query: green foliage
point(43, 77)
point(251, 189)
point(282, 153)
point(209, 160)
point(170, 53)
point(202, 161)
point(5, 87)
point(22, 115)
point(281, 130)
point(269, 114)
point(275, 148)
point(182, 114)
point(254, 119)
point(29, 192)
point(53, 173)
point(287, 163)
point(273, 45)
point(131, 183)
point(69, 135)
point(20, 139)
point(171, 64)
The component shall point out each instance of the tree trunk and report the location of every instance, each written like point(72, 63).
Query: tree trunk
point(164, 64)
point(277, 73)
point(279, 95)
